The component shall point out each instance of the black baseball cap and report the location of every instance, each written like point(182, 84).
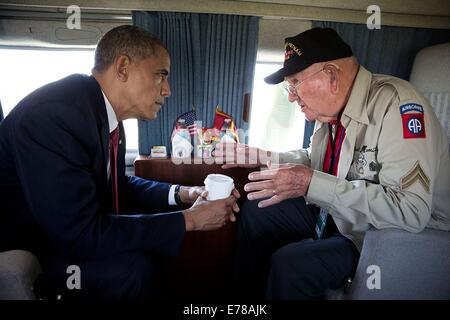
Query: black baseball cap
point(309, 47)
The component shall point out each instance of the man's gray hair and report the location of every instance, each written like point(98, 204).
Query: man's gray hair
point(128, 40)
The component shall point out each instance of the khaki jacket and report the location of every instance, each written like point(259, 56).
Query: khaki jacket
point(384, 179)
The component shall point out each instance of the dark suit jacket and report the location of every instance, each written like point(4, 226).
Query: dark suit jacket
point(54, 194)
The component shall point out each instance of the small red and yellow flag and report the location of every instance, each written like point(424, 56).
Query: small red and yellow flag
point(219, 119)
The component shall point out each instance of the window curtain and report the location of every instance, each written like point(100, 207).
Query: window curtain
point(389, 50)
point(212, 63)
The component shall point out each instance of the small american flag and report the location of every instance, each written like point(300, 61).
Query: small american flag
point(189, 117)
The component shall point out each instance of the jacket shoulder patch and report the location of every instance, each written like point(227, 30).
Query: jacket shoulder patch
point(412, 121)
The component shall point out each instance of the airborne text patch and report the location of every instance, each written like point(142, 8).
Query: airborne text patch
point(412, 120)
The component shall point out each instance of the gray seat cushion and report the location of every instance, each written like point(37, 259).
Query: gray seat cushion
point(411, 265)
point(18, 270)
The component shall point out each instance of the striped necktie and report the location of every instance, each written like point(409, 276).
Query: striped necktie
point(336, 132)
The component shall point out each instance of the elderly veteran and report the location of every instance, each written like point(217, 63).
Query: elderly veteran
point(378, 157)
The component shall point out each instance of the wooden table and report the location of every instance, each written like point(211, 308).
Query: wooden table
point(203, 268)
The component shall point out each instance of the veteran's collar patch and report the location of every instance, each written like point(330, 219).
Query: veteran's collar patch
point(413, 121)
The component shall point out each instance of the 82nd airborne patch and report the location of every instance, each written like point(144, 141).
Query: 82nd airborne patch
point(412, 120)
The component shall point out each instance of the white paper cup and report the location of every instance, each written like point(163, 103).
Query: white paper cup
point(219, 186)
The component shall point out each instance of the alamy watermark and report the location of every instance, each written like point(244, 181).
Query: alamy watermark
point(245, 156)
point(74, 279)
point(374, 279)
point(374, 20)
point(74, 20)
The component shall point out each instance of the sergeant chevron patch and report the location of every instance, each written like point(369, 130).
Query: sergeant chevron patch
point(415, 174)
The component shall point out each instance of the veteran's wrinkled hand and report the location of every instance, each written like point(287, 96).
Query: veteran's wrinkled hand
point(278, 183)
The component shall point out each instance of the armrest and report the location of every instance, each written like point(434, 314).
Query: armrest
point(18, 271)
point(411, 265)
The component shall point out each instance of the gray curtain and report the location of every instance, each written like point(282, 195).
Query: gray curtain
point(389, 50)
point(212, 63)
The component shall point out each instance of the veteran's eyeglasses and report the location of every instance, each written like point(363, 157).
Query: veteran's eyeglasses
point(292, 89)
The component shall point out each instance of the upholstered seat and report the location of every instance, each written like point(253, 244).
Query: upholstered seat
point(431, 76)
point(18, 271)
point(410, 265)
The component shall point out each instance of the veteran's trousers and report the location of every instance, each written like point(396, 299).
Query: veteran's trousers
point(278, 256)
